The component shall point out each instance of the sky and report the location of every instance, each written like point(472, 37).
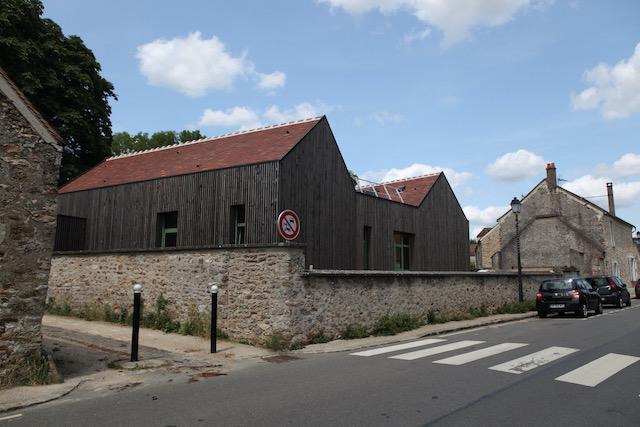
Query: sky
point(487, 91)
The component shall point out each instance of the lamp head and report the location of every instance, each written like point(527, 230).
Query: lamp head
point(516, 206)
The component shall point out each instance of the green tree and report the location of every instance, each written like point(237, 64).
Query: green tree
point(61, 77)
point(190, 135)
point(123, 142)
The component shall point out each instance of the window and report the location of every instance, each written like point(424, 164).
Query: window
point(366, 249)
point(633, 269)
point(167, 229)
point(70, 233)
point(402, 252)
point(238, 236)
point(616, 268)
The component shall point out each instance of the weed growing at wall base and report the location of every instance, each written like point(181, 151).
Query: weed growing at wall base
point(396, 323)
point(32, 370)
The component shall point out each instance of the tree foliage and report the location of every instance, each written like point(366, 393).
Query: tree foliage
point(61, 78)
point(124, 142)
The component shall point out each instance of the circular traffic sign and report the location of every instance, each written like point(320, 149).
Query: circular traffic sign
point(288, 224)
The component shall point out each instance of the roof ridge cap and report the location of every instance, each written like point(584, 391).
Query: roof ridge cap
point(217, 137)
point(411, 178)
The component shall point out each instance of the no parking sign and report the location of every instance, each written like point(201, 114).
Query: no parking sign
point(288, 224)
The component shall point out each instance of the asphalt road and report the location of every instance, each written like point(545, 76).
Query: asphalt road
point(490, 387)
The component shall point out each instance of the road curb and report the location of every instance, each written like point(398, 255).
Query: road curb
point(49, 394)
point(341, 345)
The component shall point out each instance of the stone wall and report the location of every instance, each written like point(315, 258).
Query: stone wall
point(28, 177)
point(265, 290)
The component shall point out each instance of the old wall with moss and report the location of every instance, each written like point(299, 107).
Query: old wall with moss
point(265, 291)
point(28, 175)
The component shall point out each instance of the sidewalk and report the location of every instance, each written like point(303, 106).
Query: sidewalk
point(424, 331)
point(93, 356)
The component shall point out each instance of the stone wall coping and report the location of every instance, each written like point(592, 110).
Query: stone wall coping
point(379, 273)
point(287, 245)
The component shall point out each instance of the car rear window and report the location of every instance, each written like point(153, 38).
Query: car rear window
point(556, 285)
point(598, 281)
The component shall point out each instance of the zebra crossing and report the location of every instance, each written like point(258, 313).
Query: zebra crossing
point(589, 375)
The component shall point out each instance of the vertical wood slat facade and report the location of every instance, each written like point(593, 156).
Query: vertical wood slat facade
point(312, 179)
point(124, 216)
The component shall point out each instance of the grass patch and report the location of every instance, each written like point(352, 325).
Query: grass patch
point(32, 370)
point(396, 323)
point(197, 323)
point(277, 342)
point(354, 331)
point(517, 307)
point(317, 337)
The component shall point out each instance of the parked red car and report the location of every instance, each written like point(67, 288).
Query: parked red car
point(638, 289)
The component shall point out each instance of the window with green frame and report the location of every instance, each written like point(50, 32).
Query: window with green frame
point(238, 236)
point(167, 229)
point(402, 251)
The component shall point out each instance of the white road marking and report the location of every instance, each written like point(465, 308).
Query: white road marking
point(435, 350)
point(595, 372)
point(533, 360)
point(479, 354)
point(10, 417)
point(397, 347)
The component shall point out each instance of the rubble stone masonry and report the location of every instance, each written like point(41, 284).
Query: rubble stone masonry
point(28, 176)
point(266, 291)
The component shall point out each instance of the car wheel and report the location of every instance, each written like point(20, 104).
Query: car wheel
point(629, 301)
point(542, 314)
point(584, 310)
point(599, 308)
point(619, 303)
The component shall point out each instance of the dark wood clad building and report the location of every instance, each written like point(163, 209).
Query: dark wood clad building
point(229, 190)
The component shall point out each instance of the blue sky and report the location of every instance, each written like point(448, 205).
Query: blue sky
point(487, 90)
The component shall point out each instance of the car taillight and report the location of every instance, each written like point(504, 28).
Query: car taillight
point(575, 294)
point(613, 285)
point(539, 296)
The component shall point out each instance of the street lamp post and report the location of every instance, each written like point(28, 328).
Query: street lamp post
point(516, 208)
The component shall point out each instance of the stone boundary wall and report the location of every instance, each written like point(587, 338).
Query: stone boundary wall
point(342, 298)
point(266, 291)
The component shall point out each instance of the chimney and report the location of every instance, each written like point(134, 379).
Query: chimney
point(552, 181)
point(612, 206)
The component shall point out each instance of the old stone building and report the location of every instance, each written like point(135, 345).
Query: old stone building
point(564, 232)
point(30, 154)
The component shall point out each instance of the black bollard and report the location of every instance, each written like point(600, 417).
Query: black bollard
point(214, 317)
point(137, 293)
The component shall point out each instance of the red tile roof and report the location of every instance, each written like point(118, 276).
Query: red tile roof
point(484, 231)
point(241, 148)
point(412, 190)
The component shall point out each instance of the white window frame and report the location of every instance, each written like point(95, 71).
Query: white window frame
point(633, 269)
point(615, 268)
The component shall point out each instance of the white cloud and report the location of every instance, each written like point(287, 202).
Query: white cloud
point(484, 217)
point(455, 18)
point(300, 111)
point(241, 117)
point(518, 165)
point(385, 118)
point(627, 165)
point(271, 81)
point(455, 178)
point(626, 194)
point(416, 35)
point(615, 90)
point(381, 118)
point(247, 118)
point(193, 65)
